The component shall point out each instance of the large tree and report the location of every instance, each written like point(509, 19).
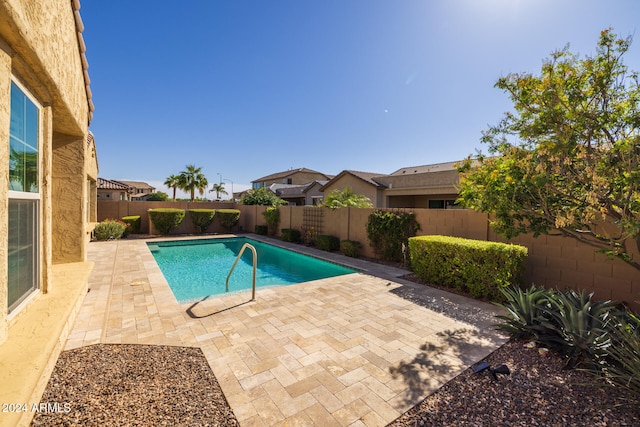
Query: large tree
point(193, 179)
point(567, 158)
point(173, 182)
point(219, 189)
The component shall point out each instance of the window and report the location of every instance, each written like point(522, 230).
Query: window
point(24, 197)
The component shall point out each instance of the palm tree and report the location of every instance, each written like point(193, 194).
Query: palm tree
point(173, 182)
point(219, 189)
point(192, 179)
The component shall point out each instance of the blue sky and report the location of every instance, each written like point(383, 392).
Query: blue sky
point(246, 88)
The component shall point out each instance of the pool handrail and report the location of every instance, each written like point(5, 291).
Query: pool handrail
point(255, 264)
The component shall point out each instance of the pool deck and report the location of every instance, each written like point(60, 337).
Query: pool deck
point(353, 350)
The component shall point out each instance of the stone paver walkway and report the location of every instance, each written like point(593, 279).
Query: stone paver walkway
point(359, 349)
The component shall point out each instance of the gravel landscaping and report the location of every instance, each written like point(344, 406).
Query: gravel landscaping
point(139, 385)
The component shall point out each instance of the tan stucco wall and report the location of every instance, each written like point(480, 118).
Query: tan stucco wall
point(5, 108)
point(44, 38)
point(39, 48)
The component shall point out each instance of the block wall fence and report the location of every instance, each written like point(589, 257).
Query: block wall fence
point(554, 261)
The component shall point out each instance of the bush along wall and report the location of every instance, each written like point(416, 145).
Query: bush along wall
point(134, 222)
point(350, 248)
point(290, 235)
point(479, 268)
point(110, 229)
point(389, 231)
point(166, 219)
point(328, 243)
point(228, 218)
point(202, 218)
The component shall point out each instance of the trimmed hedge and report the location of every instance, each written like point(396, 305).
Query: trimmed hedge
point(477, 267)
point(202, 218)
point(290, 235)
point(228, 218)
point(166, 219)
point(328, 243)
point(134, 222)
point(262, 229)
point(350, 248)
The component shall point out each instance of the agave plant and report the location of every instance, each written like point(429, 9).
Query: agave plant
point(622, 366)
point(527, 309)
point(578, 327)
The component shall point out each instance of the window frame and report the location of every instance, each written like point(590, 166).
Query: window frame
point(36, 197)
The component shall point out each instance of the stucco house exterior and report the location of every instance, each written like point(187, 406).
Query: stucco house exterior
point(112, 190)
point(49, 169)
point(429, 186)
point(308, 194)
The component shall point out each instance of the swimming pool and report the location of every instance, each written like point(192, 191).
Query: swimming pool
point(198, 268)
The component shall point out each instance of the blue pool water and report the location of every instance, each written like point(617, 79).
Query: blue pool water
point(198, 268)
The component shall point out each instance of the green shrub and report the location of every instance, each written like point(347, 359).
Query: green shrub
point(479, 268)
point(134, 222)
point(109, 229)
point(202, 218)
point(166, 219)
point(290, 235)
point(261, 229)
point(272, 217)
point(327, 243)
point(350, 248)
point(228, 218)
point(388, 233)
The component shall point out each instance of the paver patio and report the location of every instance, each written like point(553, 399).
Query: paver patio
point(358, 349)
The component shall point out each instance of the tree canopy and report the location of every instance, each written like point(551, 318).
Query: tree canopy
point(193, 179)
point(346, 198)
point(262, 196)
point(567, 158)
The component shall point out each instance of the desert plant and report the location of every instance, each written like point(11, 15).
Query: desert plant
point(350, 248)
point(166, 219)
point(622, 366)
point(109, 229)
point(202, 218)
point(327, 243)
point(272, 217)
point(290, 235)
point(577, 326)
point(228, 218)
point(134, 222)
point(526, 309)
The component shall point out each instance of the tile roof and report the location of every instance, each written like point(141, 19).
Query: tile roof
point(107, 184)
point(284, 174)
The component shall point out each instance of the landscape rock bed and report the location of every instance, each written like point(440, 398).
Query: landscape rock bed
point(134, 385)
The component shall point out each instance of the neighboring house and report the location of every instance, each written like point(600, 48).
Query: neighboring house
point(363, 183)
point(428, 186)
point(109, 189)
point(300, 195)
point(112, 190)
point(47, 200)
point(139, 191)
point(299, 176)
